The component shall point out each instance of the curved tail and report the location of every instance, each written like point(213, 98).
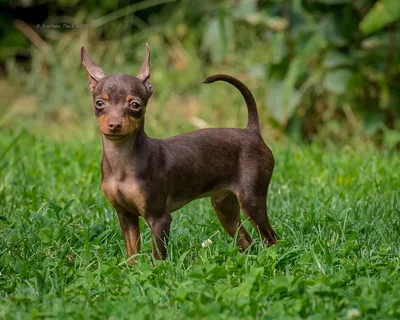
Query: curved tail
point(253, 123)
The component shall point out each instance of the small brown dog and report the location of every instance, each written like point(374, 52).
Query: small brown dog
point(150, 178)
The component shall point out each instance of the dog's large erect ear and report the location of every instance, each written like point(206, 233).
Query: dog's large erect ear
point(95, 74)
point(144, 71)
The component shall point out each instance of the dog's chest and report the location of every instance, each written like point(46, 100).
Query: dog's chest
point(126, 194)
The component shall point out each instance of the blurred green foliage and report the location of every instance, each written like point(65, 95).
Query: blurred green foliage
point(320, 69)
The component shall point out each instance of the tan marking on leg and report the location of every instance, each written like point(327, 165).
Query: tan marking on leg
point(130, 228)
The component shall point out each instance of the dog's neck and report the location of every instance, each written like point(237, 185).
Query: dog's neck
point(119, 156)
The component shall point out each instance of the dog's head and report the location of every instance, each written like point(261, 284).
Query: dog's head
point(119, 100)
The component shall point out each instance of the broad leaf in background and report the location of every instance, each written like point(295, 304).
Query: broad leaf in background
point(244, 7)
point(282, 97)
point(383, 40)
point(329, 28)
point(218, 37)
point(277, 48)
point(391, 138)
point(381, 14)
point(336, 80)
point(335, 59)
point(274, 101)
point(13, 43)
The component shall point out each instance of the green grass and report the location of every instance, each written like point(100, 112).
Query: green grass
point(337, 211)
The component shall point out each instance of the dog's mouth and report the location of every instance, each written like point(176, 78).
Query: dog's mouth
point(114, 136)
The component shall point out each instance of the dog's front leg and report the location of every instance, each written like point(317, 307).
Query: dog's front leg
point(159, 226)
point(129, 223)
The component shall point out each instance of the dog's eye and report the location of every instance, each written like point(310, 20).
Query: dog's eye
point(134, 105)
point(99, 104)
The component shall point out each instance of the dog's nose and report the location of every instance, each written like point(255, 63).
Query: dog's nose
point(114, 126)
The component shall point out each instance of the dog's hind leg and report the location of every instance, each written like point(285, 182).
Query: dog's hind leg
point(255, 208)
point(227, 209)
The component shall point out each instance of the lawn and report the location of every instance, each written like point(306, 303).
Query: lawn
point(62, 255)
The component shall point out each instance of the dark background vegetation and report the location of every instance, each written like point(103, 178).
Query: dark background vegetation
point(320, 69)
